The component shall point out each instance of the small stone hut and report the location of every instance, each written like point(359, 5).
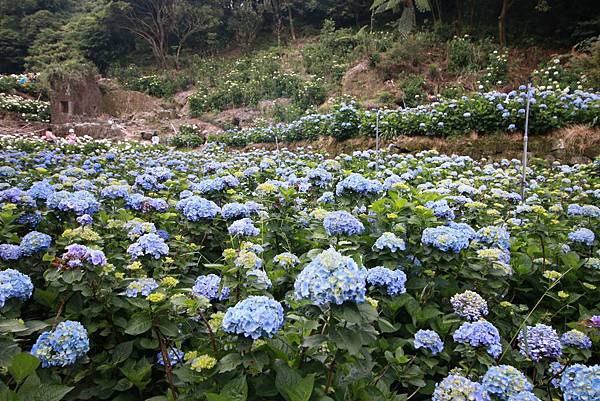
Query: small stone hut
point(73, 99)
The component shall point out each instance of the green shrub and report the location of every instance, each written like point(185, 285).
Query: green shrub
point(188, 137)
point(412, 89)
point(462, 54)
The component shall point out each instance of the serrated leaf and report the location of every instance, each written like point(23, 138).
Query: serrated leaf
point(22, 365)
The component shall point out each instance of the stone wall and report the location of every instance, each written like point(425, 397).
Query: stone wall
point(75, 99)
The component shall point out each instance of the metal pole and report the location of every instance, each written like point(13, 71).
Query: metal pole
point(377, 140)
point(525, 142)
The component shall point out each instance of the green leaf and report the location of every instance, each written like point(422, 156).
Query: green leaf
point(22, 365)
point(235, 390)
point(229, 362)
point(122, 352)
point(291, 385)
point(50, 392)
point(139, 323)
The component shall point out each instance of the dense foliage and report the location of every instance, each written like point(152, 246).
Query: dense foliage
point(132, 273)
point(484, 112)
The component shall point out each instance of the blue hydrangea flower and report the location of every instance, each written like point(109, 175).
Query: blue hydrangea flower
point(196, 208)
point(505, 381)
point(429, 339)
point(63, 345)
point(541, 341)
point(286, 260)
point(254, 317)
point(115, 191)
point(331, 277)
point(469, 305)
point(175, 356)
point(480, 334)
point(320, 176)
point(208, 286)
point(143, 287)
point(576, 339)
point(243, 227)
point(41, 190)
point(582, 235)
point(390, 241)
point(342, 223)
point(581, 383)
point(464, 229)
point(494, 236)
point(35, 242)
point(356, 183)
point(148, 244)
point(14, 284)
point(445, 239)
point(137, 228)
point(258, 278)
point(85, 220)
point(441, 209)
point(10, 252)
point(524, 396)
point(231, 211)
point(79, 202)
point(326, 198)
point(459, 388)
point(16, 196)
point(393, 280)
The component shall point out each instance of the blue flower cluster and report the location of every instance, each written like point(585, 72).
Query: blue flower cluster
point(76, 255)
point(342, 223)
point(208, 286)
point(243, 227)
point(80, 202)
point(148, 244)
point(524, 396)
point(10, 252)
point(469, 305)
point(331, 277)
point(143, 287)
point(429, 339)
point(441, 209)
point(540, 341)
point(445, 239)
point(254, 317)
point(137, 228)
point(40, 190)
point(356, 183)
point(196, 208)
point(480, 334)
point(35, 242)
point(85, 220)
point(458, 388)
point(576, 339)
point(286, 260)
point(14, 284)
point(234, 210)
point(115, 191)
point(319, 176)
point(16, 196)
point(175, 356)
point(505, 381)
point(393, 280)
point(63, 345)
point(581, 383)
point(390, 241)
point(146, 204)
point(585, 210)
point(494, 236)
point(582, 235)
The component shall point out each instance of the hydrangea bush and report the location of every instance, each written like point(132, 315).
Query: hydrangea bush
point(136, 273)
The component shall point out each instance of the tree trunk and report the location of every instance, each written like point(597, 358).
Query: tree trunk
point(291, 20)
point(502, 22)
point(459, 16)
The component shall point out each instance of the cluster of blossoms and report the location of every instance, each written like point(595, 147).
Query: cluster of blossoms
point(137, 228)
point(331, 278)
point(494, 236)
point(524, 396)
point(583, 236)
point(254, 317)
point(76, 255)
point(585, 210)
point(480, 334)
point(143, 287)
point(196, 208)
point(356, 183)
point(441, 209)
point(393, 280)
point(35, 242)
point(243, 227)
point(445, 239)
point(430, 340)
point(390, 241)
point(10, 252)
point(175, 356)
point(581, 383)
point(209, 286)
point(342, 223)
point(456, 387)
point(540, 341)
point(148, 244)
point(469, 305)
point(14, 284)
point(79, 202)
point(63, 345)
point(286, 260)
point(576, 339)
point(235, 210)
point(505, 381)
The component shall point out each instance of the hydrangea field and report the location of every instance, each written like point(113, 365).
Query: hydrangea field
point(139, 273)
